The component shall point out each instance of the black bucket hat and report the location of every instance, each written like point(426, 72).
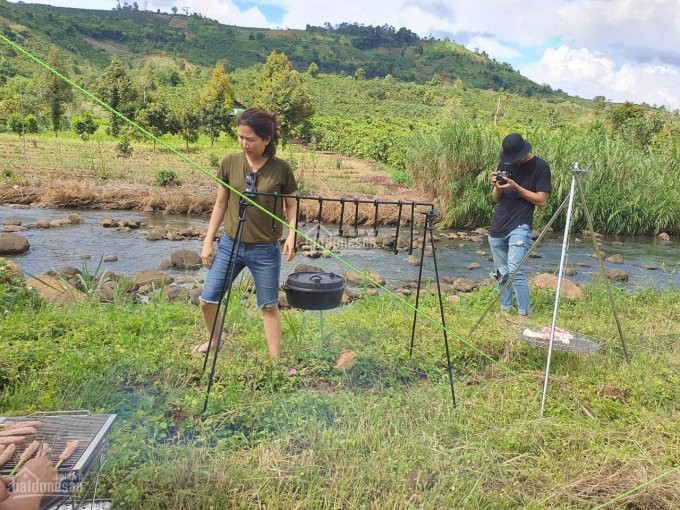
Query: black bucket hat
point(513, 148)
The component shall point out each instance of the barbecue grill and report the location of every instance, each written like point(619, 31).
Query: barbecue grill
point(78, 476)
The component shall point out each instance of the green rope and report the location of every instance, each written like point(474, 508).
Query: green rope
point(408, 304)
point(318, 246)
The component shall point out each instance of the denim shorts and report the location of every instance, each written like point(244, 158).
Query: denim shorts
point(262, 259)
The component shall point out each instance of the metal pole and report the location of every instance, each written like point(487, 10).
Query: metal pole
point(229, 277)
point(428, 220)
point(612, 303)
point(420, 276)
point(565, 243)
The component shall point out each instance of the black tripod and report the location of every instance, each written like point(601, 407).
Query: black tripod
point(430, 217)
point(242, 213)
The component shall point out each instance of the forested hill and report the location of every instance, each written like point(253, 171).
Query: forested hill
point(92, 36)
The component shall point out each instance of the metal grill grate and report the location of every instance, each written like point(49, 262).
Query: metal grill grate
point(90, 431)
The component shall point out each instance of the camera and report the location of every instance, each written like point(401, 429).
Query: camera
point(501, 176)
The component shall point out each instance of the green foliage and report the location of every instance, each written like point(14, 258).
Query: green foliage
point(124, 148)
point(116, 89)
point(217, 90)
point(360, 74)
point(158, 119)
point(625, 191)
point(313, 70)
point(282, 90)
point(190, 125)
point(215, 119)
point(54, 91)
point(21, 126)
point(624, 112)
point(167, 178)
point(85, 126)
point(6, 71)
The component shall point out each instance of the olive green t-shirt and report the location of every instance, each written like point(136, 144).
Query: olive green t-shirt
point(274, 176)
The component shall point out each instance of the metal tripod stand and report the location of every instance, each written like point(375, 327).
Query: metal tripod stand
point(576, 175)
point(242, 214)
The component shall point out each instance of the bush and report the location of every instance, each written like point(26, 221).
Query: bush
point(214, 160)
point(167, 178)
point(124, 148)
point(84, 127)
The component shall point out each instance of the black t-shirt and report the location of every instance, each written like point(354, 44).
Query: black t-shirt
point(512, 210)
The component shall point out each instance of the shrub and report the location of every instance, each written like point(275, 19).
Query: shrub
point(124, 148)
point(167, 178)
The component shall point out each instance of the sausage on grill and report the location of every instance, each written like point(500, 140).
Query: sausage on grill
point(18, 431)
point(16, 424)
point(7, 453)
point(11, 439)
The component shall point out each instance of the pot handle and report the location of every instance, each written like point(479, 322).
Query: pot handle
point(316, 278)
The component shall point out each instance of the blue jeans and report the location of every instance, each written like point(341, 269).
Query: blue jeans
point(264, 262)
point(507, 252)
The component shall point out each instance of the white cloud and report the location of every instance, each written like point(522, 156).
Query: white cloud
point(223, 11)
point(492, 47)
point(590, 74)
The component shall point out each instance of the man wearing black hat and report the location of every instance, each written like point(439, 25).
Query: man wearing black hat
point(521, 182)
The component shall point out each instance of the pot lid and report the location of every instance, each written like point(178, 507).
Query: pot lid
point(315, 281)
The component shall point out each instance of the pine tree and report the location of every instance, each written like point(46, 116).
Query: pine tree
point(116, 89)
point(216, 101)
point(282, 90)
point(54, 91)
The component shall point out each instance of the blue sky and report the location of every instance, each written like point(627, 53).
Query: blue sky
point(620, 49)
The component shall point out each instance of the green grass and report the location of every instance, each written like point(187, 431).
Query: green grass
point(381, 435)
point(629, 190)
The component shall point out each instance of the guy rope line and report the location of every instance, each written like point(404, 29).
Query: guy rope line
point(408, 304)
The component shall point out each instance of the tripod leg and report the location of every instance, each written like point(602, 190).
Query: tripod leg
point(563, 257)
point(227, 277)
point(521, 263)
point(589, 220)
point(230, 275)
point(420, 276)
point(441, 311)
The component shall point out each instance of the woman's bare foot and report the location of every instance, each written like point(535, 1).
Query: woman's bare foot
point(199, 350)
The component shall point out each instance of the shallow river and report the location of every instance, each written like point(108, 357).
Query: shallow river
point(58, 247)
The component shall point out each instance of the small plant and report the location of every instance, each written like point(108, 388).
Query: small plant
point(214, 160)
point(166, 178)
point(124, 148)
point(338, 164)
point(84, 127)
point(6, 172)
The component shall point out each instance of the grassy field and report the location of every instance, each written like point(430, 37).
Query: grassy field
point(382, 434)
point(69, 172)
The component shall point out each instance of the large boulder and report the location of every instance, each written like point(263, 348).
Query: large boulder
point(55, 290)
point(12, 221)
point(9, 271)
point(13, 243)
point(186, 259)
point(615, 259)
point(570, 290)
point(617, 275)
point(150, 277)
point(61, 222)
point(308, 268)
point(464, 285)
point(13, 228)
point(353, 278)
point(664, 237)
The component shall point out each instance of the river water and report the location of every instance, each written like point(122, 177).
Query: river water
point(57, 247)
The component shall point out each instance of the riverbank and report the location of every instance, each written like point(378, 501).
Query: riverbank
point(381, 432)
point(70, 173)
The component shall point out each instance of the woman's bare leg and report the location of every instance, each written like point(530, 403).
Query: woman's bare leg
point(209, 312)
point(272, 329)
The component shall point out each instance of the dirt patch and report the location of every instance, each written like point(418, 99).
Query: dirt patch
point(180, 22)
point(109, 47)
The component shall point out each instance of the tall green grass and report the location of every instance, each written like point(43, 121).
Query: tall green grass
point(630, 190)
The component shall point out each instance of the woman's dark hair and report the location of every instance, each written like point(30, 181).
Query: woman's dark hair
point(265, 125)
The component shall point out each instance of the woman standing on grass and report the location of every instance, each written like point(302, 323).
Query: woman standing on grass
point(254, 169)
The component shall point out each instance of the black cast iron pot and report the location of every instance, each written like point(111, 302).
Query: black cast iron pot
point(314, 291)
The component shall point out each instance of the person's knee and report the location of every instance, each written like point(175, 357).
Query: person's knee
point(271, 310)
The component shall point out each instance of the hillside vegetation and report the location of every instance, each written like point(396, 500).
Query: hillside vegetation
point(92, 36)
